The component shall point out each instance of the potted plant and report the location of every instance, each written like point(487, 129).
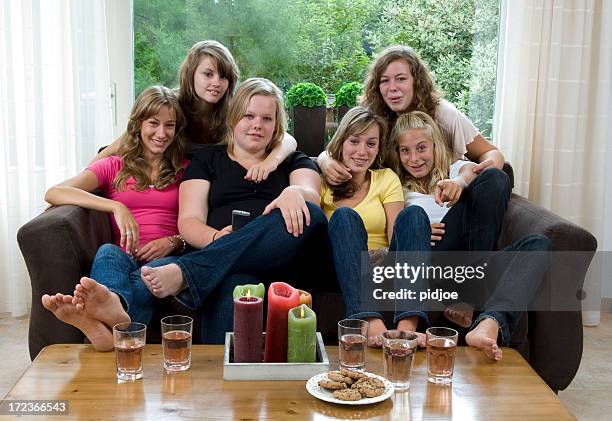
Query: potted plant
point(346, 97)
point(306, 102)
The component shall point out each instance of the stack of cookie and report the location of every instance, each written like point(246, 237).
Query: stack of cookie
point(350, 385)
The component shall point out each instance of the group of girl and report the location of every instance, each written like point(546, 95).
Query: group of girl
point(163, 204)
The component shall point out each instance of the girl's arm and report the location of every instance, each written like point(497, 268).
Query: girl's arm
point(304, 185)
point(335, 172)
point(193, 214)
point(112, 149)
point(285, 148)
point(77, 191)
point(485, 153)
point(392, 209)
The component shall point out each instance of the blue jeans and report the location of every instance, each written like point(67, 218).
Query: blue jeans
point(516, 279)
point(474, 222)
point(120, 273)
point(349, 242)
point(263, 249)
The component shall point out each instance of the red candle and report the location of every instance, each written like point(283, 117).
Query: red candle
point(281, 298)
point(248, 319)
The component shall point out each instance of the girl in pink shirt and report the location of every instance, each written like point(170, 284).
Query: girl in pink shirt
point(140, 191)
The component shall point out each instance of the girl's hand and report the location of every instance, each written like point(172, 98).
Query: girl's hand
point(448, 191)
point(293, 208)
point(437, 231)
point(484, 165)
point(223, 232)
point(261, 171)
point(155, 249)
point(335, 172)
point(128, 228)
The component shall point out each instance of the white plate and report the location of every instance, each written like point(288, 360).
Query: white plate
point(312, 386)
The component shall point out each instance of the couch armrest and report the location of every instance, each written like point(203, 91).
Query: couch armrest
point(58, 247)
point(560, 326)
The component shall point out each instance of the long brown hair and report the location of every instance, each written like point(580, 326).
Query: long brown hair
point(426, 94)
point(355, 122)
point(148, 104)
point(443, 157)
point(237, 109)
point(214, 130)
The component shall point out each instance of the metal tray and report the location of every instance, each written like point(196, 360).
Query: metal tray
point(272, 371)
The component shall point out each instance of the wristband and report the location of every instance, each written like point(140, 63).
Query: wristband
point(181, 242)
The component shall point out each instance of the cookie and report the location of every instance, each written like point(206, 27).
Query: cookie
point(338, 377)
point(347, 395)
point(355, 375)
point(369, 387)
point(331, 385)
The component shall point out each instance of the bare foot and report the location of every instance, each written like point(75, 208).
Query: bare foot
point(410, 324)
point(97, 302)
point(484, 337)
point(163, 281)
point(460, 314)
point(61, 306)
point(375, 330)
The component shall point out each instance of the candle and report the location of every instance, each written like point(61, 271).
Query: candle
point(248, 319)
point(302, 335)
point(281, 298)
point(305, 298)
point(258, 290)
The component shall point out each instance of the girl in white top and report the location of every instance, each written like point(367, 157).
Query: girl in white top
point(465, 212)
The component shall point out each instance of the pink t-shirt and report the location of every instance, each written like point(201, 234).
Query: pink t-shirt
point(155, 211)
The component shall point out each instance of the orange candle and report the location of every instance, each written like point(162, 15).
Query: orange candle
point(305, 298)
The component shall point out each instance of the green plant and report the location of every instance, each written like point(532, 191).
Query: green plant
point(306, 94)
point(348, 93)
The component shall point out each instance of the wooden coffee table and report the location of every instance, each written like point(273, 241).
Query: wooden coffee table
point(481, 389)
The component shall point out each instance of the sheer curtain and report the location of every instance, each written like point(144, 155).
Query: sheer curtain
point(553, 89)
point(54, 109)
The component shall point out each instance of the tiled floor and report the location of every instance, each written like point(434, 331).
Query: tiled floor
point(588, 397)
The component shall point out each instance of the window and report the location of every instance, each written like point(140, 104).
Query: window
point(328, 42)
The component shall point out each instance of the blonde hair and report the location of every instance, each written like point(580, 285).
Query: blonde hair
point(215, 130)
point(426, 94)
point(355, 122)
point(238, 106)
point(147, 105)
point(443, 157)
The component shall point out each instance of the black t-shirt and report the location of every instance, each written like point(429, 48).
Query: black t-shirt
point(228, 188)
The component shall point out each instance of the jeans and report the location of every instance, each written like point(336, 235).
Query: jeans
point(474, 222)
point(120, 273)
point(349, 242)
point(518, 271)
point(262, 249)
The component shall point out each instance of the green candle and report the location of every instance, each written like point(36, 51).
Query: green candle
point(302, 335)
point(258, 290)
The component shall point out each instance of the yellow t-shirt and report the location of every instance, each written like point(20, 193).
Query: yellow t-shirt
point(385, 187)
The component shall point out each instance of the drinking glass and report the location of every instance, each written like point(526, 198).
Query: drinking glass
point(441, 347)
point(176, 342)
point(129, 339)
point(352, 342)
point(399, 347)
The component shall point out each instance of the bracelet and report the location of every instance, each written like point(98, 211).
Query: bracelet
point(214, 235)
point(181, 242)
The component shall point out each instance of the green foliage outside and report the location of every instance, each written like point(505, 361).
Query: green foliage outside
point(347, 94)
point(327, 42)
point(306, 94)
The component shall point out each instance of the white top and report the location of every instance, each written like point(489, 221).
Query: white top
point(428, 201)
point(457, 129)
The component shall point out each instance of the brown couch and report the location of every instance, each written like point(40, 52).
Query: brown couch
point(59, 246)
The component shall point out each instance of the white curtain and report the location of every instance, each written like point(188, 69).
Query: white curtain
point(553, 90)
point(54, 109)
